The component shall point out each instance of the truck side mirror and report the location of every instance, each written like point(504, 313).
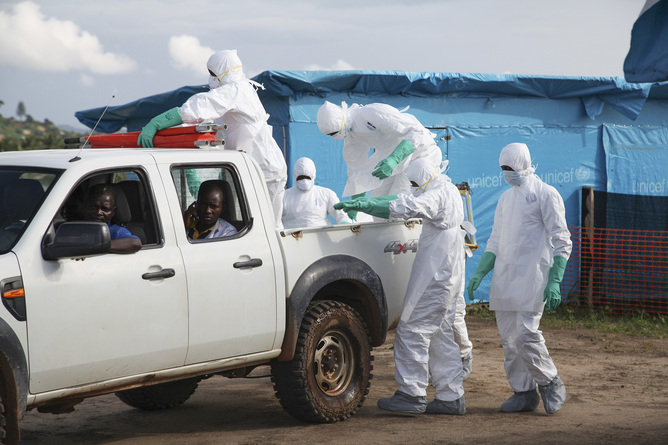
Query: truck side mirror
point(76, 240)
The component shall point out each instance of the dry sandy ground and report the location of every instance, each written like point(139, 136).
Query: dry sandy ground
point(617, 393)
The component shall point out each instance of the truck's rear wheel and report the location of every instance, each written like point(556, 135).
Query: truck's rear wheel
point(328, 378)
point(161, 396)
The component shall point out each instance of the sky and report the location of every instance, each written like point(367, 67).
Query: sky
point(62, 56)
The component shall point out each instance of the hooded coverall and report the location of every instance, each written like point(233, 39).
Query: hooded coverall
point(307, 204)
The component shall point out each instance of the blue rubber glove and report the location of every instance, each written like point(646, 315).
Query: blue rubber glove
point(385, 167)
point(552, 293)
point(352, 214)
point(484, 266)
point(167, 119)
point(379, 206)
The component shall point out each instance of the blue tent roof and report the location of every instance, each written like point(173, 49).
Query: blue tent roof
point(647, 60)
point(626, 98)
point(134, 115)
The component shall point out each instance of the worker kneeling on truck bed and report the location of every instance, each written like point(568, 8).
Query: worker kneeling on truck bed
point(233, 104)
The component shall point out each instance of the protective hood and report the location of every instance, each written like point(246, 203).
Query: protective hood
point(517, 156)
point(226, 66)
point(424, 174)
point(335, 121)
point(304, 167)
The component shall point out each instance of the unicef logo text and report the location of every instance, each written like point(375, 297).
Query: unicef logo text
point(557, 177)
point(580, 174)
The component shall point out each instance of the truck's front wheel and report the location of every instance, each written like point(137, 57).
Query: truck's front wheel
point(2, 421)
point(328, 378)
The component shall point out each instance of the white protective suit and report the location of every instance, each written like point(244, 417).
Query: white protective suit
point(307, 204)
point(381, 127)
point(424, 342)
point(529, 230)
point(461, 332)
point(233, 101)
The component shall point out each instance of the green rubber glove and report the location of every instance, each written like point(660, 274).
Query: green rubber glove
point(167, 119)
point(484, 266)
point(387, 198)
point(193, 181)
point(552, 293)
point(385, 167)
point(379, 206)
point(352, 214)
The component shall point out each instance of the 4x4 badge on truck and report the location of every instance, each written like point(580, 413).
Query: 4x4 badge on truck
point(396, 247)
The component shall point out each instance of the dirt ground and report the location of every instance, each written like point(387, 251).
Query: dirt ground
point(617, 393)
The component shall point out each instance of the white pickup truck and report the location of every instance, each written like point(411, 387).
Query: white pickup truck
point(150, 325)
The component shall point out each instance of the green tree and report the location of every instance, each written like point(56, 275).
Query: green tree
point(8, 144)
point(21, 110)
point(30, 142)
point(50, 140)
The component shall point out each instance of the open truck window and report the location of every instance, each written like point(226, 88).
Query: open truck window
point(189, 179)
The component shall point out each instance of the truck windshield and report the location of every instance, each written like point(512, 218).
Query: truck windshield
point(22, 190)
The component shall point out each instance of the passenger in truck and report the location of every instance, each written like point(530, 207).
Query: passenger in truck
point(202, 218)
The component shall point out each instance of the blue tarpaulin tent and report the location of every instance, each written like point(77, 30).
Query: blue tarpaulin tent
point(647, 60)
point(602, 133)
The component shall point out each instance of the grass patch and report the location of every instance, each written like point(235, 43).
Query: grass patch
point(637, 324)
point(480, 311)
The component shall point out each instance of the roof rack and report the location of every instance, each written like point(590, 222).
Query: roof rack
point(194, 136)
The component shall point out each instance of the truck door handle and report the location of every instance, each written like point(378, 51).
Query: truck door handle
point(255, 262)
point(164, 273)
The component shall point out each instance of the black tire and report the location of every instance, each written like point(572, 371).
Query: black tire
point(3, 422)
point(160, 396)
point(329, 376)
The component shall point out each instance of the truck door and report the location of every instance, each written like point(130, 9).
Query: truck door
point(232, 298)
point(98, 318)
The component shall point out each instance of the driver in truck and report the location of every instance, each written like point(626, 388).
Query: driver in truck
point(100, 205)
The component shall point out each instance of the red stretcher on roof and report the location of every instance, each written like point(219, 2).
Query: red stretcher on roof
point(195, 136)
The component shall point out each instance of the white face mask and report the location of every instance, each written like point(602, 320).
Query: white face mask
point(213, 83)
point(417, 191)
point(332, 120)
point(513, 178)
point(341, 134)
point(305, 184)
